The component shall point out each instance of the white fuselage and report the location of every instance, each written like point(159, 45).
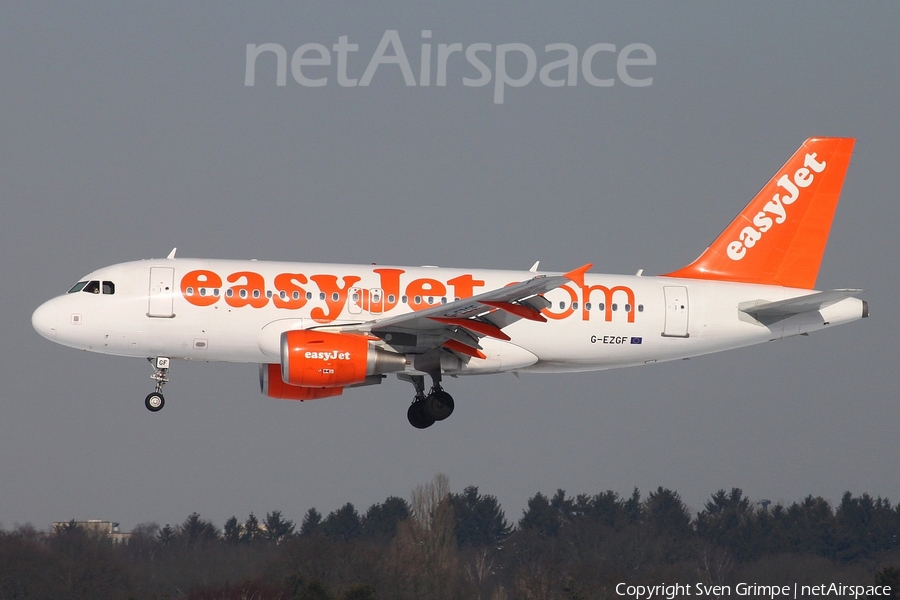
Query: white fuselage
point(236, 311)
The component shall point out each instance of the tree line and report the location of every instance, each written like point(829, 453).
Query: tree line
point(445, 545)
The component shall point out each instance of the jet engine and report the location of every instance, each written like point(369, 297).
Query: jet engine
point(272, 385)
point(319, 359)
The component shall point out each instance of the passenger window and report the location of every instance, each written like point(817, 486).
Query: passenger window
point(77, 287)
point(93, 287)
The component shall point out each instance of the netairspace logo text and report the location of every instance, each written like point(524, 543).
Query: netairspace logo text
point(315, 65)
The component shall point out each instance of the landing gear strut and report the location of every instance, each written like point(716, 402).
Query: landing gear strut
point(425, 410)
point(155, 400)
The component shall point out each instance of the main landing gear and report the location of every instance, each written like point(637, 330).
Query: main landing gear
point(425, 410)
point(155, 400)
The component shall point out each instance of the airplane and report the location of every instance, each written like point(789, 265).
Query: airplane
point(316, 329)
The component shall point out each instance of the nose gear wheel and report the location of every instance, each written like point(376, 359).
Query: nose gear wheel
point(155, 400)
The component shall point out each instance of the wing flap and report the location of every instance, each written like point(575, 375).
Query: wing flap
point(456, 346)
point(520, 310)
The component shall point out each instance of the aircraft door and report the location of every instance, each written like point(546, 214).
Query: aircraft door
point(676, 311)
point(162, 294)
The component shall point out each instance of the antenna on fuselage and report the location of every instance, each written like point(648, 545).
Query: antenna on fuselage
point(534, 267)
point(172, 253)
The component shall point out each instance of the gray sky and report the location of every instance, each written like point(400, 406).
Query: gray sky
point(128, 130)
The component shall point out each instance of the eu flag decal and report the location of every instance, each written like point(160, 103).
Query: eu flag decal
point(636, 340)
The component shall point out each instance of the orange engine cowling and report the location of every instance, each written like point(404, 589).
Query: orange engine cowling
point(319, 359)
point(272, 385)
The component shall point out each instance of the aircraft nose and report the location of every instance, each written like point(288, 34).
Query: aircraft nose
point(44, 320)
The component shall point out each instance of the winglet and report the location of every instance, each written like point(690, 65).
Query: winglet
point(780, 237)
point(577, 275)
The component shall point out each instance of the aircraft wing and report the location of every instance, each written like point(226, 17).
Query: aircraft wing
point(458, 325)
point(795, 306)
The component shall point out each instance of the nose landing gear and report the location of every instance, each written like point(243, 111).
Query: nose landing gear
point(155, 400)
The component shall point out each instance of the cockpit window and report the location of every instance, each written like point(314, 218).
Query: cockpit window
point(94, 287)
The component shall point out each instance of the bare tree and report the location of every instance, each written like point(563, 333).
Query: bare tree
point(424, 551)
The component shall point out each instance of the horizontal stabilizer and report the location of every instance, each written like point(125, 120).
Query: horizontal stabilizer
point(795, 306)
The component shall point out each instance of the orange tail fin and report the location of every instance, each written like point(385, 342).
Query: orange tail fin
point(780, 237)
